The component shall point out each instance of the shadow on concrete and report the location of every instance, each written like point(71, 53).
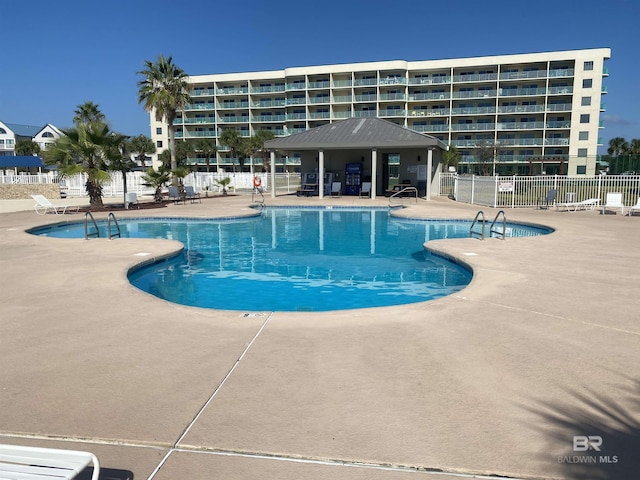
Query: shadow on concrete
point(595, 436)
point(107, 474)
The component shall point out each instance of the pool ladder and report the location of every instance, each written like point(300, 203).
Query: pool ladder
point(500, 220)
point(96, 231)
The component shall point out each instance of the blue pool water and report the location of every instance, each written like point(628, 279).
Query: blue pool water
point(298, 259)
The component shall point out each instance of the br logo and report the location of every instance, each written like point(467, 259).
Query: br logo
point(582, 443)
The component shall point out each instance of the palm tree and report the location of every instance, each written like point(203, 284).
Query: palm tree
point(88, 113)
point(208, 148)
point(451, 157)
point(88, 149)
point(27, 148)
point(118, 159)
point(232, 139)
point(184, 150)
point(142, 145)
point(634, 146)
point(617, 146)
point(256, 146)
point(157, 179)
point(164, 91)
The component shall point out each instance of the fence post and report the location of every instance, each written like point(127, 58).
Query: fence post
point(513, 192)
point(495, 191)
point(600, 187)
point(473, 188)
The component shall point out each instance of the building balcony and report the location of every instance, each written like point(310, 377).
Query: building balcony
point(322, 84)
point(296, 101)
point(196, 134)
point(475, 94)
point(430, 80)
point(268, 118)
point(482, 77)
point(316, 100)
point(199, 106)
point(340, 114)
point(392, 96)
point(392, 113)
point(560, 90)
point(523, 75)
point(558, 125)
point(364, 82)
point(296, 86)
point(342, 83)
point(436, 112)
point(429, 96)
point(563, 142)
point(520, 125)
point(194, 121)
point(429, 128)
point(342, 99)
point(365, 113)
point(291, 131)
point(522, 92)
point(232, 90)
point(233, 119)
point(604, 89)
point(467, 127)
point(318, 115)
point(367, 98)
point(522, 109)
point(392, 81)
point(521, 142)
point(561, 72)
point(268, 103)
point(233, 105)
point(267, 89)
point(473, 111)
point(296, 116)
point(202, 92)
point(559, 107)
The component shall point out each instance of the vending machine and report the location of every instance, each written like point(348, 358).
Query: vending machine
point(352, 174)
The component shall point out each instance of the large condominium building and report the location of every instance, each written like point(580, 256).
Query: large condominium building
point(525, 114)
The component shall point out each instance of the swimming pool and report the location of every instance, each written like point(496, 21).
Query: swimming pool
point(299, 259)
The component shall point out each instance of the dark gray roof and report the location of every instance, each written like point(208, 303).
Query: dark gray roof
point(370, 132)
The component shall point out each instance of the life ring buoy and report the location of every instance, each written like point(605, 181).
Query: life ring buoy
point(257, 181)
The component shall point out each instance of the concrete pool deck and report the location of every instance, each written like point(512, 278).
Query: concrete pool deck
point(498, 379)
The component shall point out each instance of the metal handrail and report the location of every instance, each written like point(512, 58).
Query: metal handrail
point(492, 229)
point(472, 232)
point(117, 233)
point(405, 189)
point(86, 226)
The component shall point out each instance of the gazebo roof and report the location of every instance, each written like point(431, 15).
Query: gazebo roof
point(355, 133)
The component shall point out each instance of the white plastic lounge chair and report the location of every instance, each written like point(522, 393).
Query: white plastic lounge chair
point(43, 205)
point(634, 208)
point(336, 189)
point(589, 204)
point(613, 202)
point(34, 463)
point(191, 194)
point(365, 192)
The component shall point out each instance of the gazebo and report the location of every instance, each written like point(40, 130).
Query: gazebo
point(373, 142)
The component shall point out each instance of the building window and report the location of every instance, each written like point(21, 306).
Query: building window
point(159, 131)
point(582, 152)
point(586, 101)
point(583, 136)
point(581, 169)
point(588, 65)
point(587, 83)
point(585, 118)
point(159, 144)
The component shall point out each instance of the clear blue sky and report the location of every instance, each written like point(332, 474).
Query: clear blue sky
point(57, 55)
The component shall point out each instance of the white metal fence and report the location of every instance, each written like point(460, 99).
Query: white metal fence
point(74, 186)
point(528, 191)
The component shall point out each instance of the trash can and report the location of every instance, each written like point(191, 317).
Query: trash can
point(131, 198)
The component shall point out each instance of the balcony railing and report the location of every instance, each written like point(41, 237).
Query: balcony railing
point(429, 80)
point(560, 90)
point(520, 125)
point(557, 141)
point(342, 99)
point(268, 104)
point(199, 106)
point(522, 92)
point(268, 118)
point(561, 72)
point(520, 142)
point(559, 107)
point(296, 86)
point(202, 92)
point(429, 96)
point(232, 90)
point(193, 121)
point(555, 125)
point(232, 105)
point(322, 99)
point(296, 116)
point(233, 119)
point(473, 111)
point(366, 98)
point(522, 109)
point(481, 77)
point(436, 112)
point(196, 134)
point(476, 94)
point(322, 84)
point(296, 101)
point(523, 75)
point(341, 114)
point(392, 113)
point(392, 96)
point(342, 83)
point(465, 127)
point(392, 81)
point(268, 89)
point(360, 82)
point(429, 128)
point(318, 115)
point(365, 113)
